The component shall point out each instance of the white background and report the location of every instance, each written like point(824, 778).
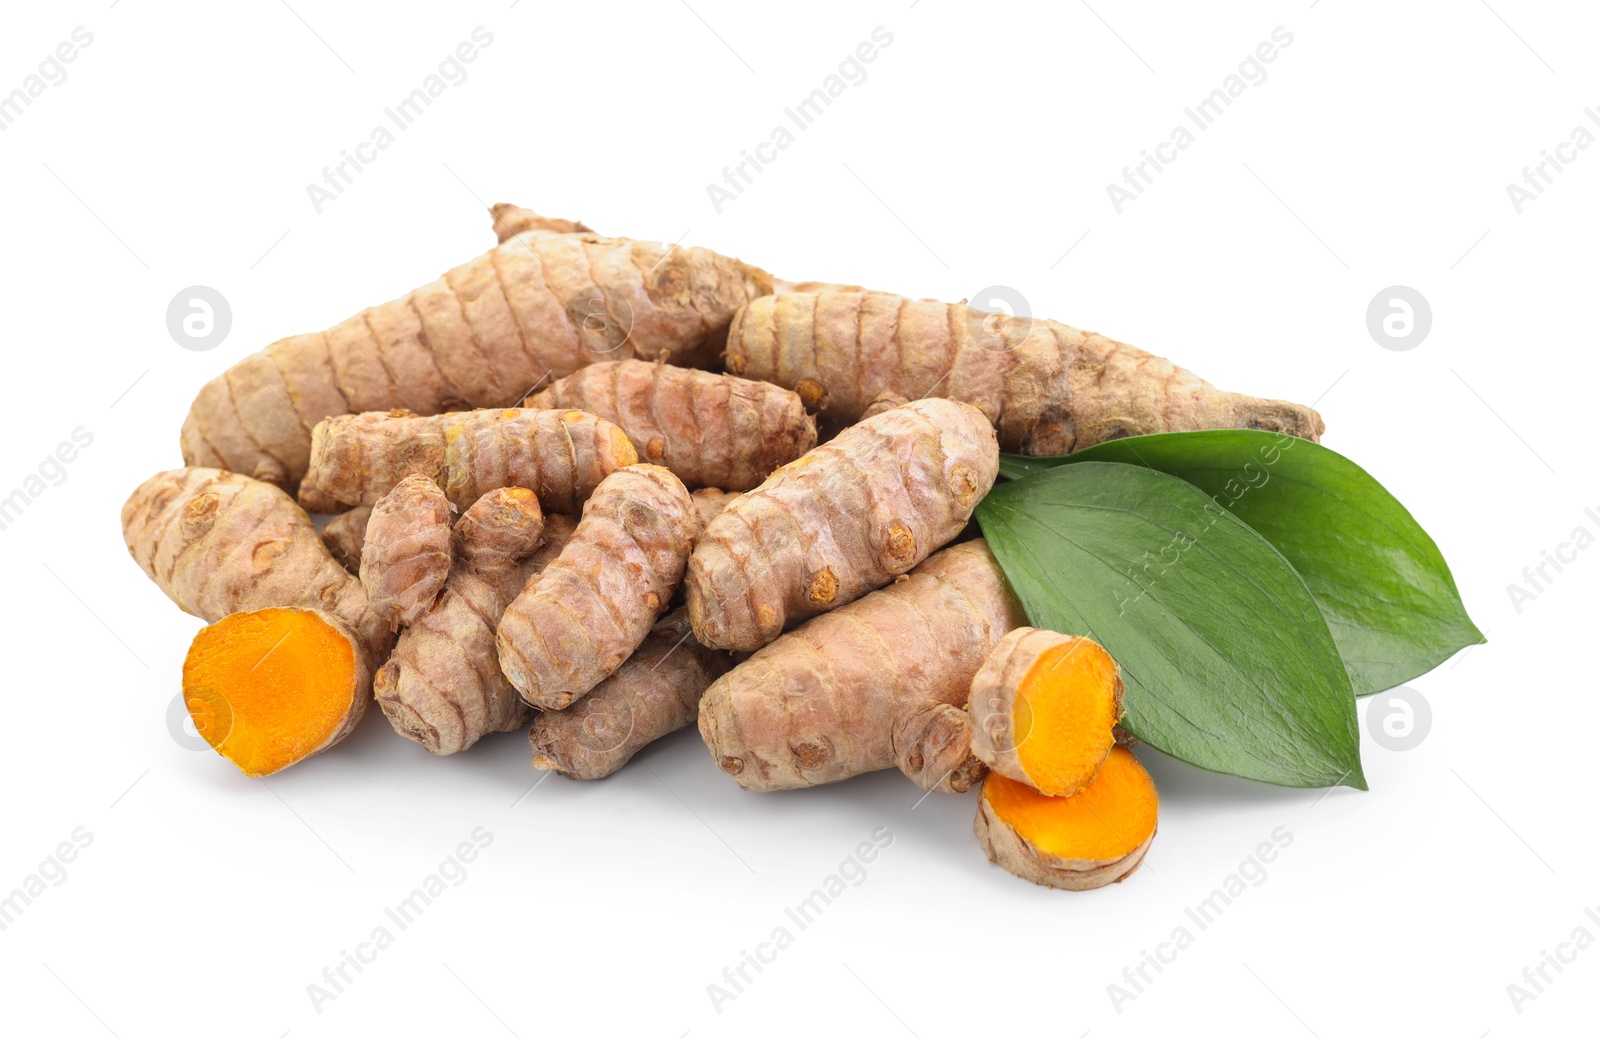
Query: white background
point(977, 152)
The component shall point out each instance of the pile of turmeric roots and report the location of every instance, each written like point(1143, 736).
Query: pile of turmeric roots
point(576, 488)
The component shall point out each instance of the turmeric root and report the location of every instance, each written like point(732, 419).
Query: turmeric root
point(1088, 840)
point(711, 430)
point(345, 534)
point(655, 693)
point(405, 560)
point(560, 455)
point(510, 221)
point(879, 683)
point(272, 687)
point(442, 686)
point(1043, 706)
point(710, 502)
point(841, 520)
point(538, 306)
point(1048, 388)
point(241, 554)
point(584, 614)
point(218, 543)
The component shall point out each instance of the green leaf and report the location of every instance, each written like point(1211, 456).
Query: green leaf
point(1385, 589)
point(1227, 661)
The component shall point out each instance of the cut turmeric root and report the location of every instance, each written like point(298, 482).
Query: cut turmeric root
point(1043, 706)
point(272, 687)
point(1093, 838)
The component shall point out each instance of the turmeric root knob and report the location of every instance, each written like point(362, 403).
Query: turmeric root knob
point(272, 687)
point(1093, 838)
point(345, 535)
point(442, 686)
point(1043, 706)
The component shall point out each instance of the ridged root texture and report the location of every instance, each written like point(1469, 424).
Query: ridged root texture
point(1049, 388)
point(880, 683)
point(536, 307)
point(272, 687)
point(655, 693)
point(1093, 838)
point(218, 543)
point(711, 430)
point(406, 554)
point(584, 614)
point(1043, 709)
point(560, 455)
point(442, 686)
point(842, 520)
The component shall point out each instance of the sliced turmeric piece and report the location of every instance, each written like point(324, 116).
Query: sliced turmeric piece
point(1043, 706)
point(269, 688)
point(1093, 838)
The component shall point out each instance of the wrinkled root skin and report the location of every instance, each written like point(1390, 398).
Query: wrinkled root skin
point(549, 299)
point(657, 692)
point(406, 560)
point(1049, 388)
point(877, 684)
point(345, 535)
point(560, 455)
point(933, 748)
point(840, 521)
point(218, 543)
point(711, 430)
point(576, 622)
point(442, 686)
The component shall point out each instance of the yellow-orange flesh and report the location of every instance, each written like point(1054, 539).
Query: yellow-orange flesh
point(270, 687)
point(1063, 714)
point(1106, 821)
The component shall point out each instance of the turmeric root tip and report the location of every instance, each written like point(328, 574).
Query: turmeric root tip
point(1093, 838)
point(272, 687)
point(1043, 706)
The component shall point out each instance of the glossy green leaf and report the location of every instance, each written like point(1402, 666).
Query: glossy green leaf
point(1380, 581)
point(1227, 661)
